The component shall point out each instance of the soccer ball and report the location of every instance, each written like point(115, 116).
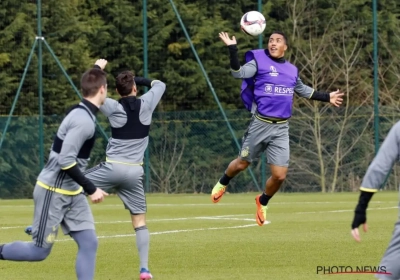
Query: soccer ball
point(253, 23)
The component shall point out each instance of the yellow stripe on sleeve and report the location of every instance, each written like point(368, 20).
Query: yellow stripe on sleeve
point(69, 166)
point(368, 190)
point(311, 94)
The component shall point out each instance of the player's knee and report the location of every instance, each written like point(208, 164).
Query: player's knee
point(138, 220)
point(42, 253)
point(92, 243)
point(279, 177)
point(242, 164)
point(86, 240)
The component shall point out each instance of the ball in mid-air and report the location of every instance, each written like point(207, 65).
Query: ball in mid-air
point(253, 23)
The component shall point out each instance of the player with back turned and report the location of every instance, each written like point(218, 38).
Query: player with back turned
point(130, 118)
point(268, 87)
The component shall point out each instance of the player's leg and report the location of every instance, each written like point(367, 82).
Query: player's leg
point(23, 251)
point(87, 250)
point(131, 192)
point(252, 146)
point(100, 176)
point(390, 260)
point(278, 154)
point(142, 244)
point(235, 167)
point(45, 229)
point(79, 224)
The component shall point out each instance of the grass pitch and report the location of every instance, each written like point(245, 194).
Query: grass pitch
point(192, 238)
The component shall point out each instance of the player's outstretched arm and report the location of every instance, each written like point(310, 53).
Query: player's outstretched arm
point(335, 97)
point(110, 105)
point(154, 95)
point(100, 63)
point(375, 177)
point(240, 72)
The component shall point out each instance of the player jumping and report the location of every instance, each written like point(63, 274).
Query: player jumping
point(268, 87)
point(130, 120)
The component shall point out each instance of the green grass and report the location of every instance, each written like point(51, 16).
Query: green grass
point(306, 231)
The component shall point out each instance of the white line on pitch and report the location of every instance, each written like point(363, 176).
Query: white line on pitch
point(230, 219)
point(214, 205)
point(166, 232)
point(227, 217)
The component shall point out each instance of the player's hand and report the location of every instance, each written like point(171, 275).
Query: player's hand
point(360, 218)
point(225, 38)
point(98, 196)
point(101, 63)
point(336, 98)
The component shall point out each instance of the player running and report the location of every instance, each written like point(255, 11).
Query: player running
point(58, 196)
point(130, 120)
point(268, 87)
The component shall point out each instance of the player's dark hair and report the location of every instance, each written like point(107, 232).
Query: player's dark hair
point(92, 80)
point(281, 33)
point(125, 82)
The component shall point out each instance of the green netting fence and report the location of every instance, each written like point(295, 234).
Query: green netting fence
point(189, 151)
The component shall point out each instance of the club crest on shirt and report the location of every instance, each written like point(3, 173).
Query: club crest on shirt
point(273, 72)
point(268, 88)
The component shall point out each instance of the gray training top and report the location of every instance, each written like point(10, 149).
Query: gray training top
point(77, 127)
point(131, 150)
point(250, 69)
point(387, 156)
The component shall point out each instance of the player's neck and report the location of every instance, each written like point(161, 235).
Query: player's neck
point(95, 101)
point(129, 95)
point(278, 59)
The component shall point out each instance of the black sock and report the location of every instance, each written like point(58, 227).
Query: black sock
point(264, 199)
point(1, 249)
point(225, 180)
